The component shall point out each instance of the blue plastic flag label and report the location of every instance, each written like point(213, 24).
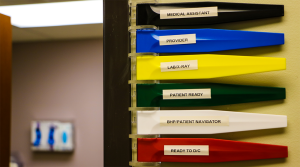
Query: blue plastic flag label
point(177, 39)
point(189, 12)
point(179, 65)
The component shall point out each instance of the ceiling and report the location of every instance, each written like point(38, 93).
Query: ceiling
point(52, 33)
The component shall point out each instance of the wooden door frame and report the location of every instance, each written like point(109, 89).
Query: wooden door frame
point(5, 88)
point(117, 127)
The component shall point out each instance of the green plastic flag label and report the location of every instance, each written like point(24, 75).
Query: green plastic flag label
point(170, 94)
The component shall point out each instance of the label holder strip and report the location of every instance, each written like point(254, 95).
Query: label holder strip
point(133, 109)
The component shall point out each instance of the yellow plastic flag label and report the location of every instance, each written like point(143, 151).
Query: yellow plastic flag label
point(179, 65)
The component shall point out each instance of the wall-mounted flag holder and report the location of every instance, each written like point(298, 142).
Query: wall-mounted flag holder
point(148, 68)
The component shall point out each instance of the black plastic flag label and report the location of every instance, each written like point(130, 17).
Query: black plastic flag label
point(189, 13)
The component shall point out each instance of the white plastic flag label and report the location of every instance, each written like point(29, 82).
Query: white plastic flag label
point(194, 121)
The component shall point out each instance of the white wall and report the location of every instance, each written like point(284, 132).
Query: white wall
point(59, 80)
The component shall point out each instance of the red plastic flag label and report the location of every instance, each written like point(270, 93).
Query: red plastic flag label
point(186, 150)
point(204, 150)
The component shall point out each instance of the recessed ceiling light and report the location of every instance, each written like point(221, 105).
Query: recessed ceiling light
point(55, 14)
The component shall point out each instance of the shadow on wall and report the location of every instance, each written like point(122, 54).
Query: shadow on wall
point(231, 164)
point(48, 156)
point(232, 26)
point(235, 135)
point(257, 51)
